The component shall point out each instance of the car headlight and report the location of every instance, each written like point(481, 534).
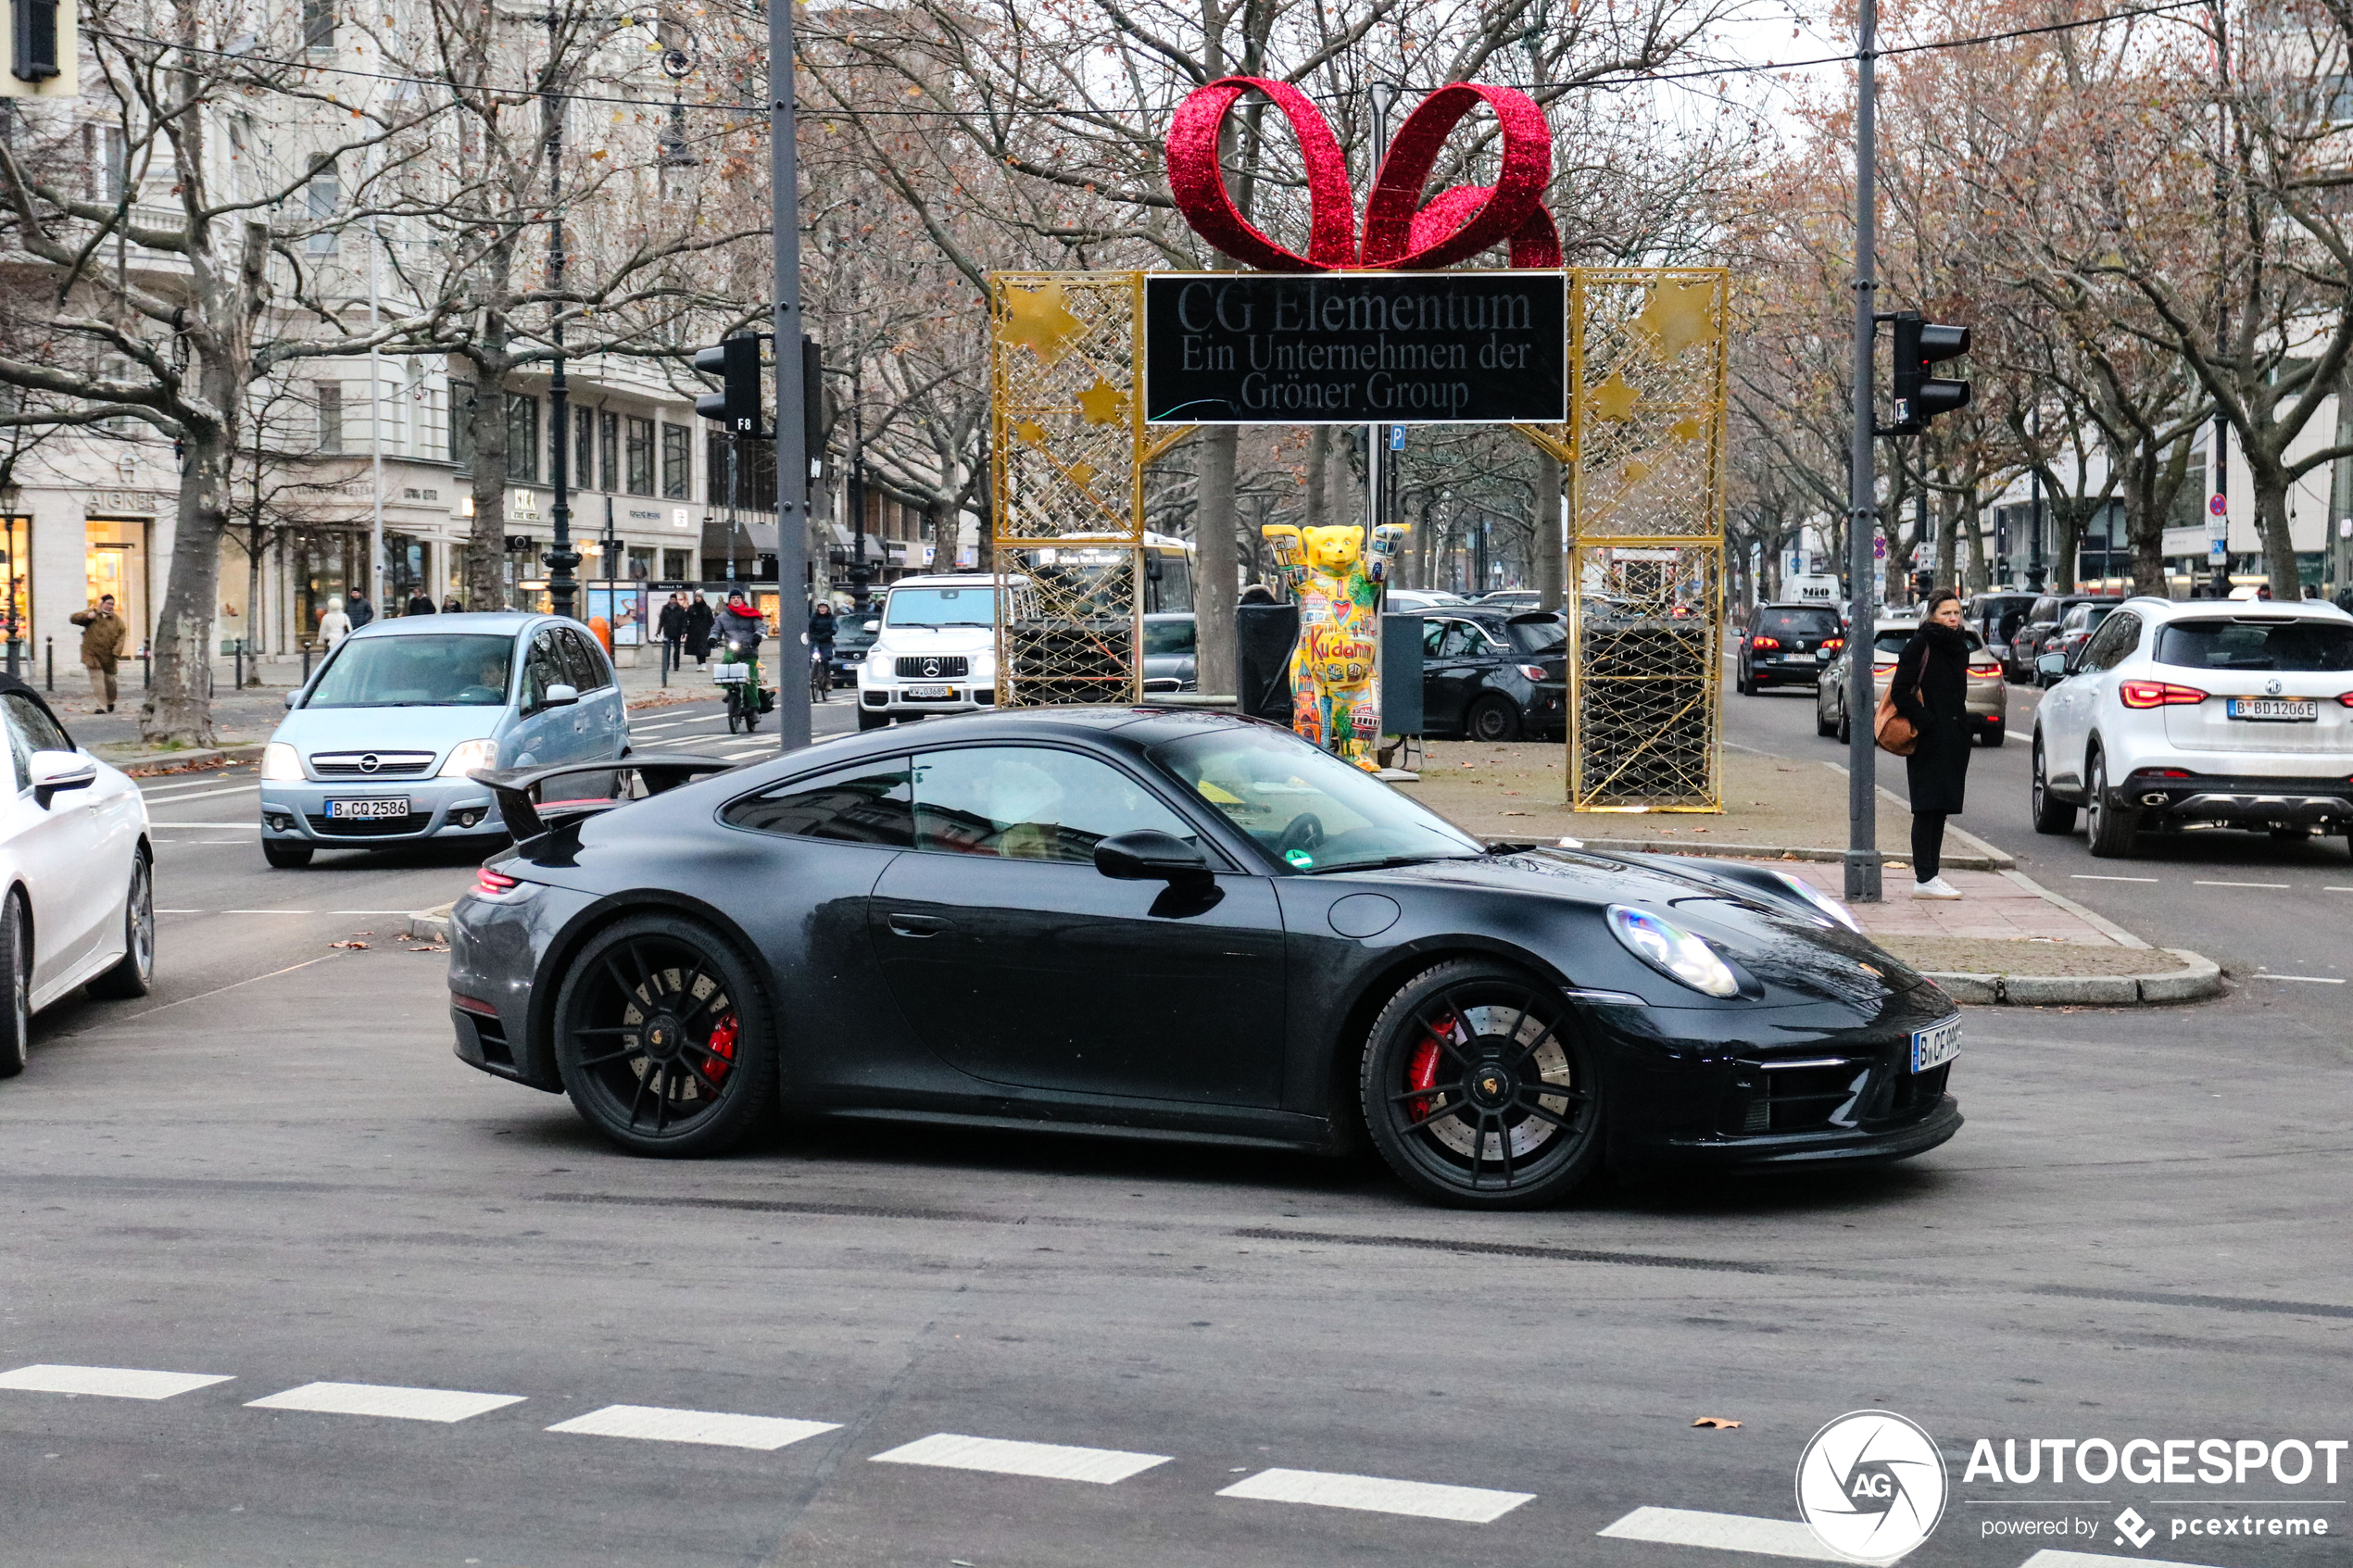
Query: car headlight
point(281, 763)
point(1816, 898)
point(469, 755)
point(1672, 950)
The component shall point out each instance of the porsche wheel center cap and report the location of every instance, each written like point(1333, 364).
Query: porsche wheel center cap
point(1491, 1086)
point(663, 1035)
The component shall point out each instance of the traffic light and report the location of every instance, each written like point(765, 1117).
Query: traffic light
point(1919, 396)
point(736, 404)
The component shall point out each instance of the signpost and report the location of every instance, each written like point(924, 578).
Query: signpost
point(1356, 347)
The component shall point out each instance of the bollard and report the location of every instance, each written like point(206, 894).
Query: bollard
point(666, 663)
point(305, 663)
point(49, 658)
point(147, 668)
point(15, 652)
point(238, 653)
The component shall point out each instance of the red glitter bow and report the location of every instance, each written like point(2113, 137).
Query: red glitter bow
point(1400, 230)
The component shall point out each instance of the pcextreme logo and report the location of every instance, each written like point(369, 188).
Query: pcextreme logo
point(1871, 1486)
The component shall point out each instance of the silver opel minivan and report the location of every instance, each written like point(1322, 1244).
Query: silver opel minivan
point(375, 750)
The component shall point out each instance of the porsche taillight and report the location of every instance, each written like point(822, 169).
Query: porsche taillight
point(490, 885)
point(2158, 694)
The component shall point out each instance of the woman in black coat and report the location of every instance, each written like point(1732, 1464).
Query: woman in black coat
point(1930, 688)
point(697, 626)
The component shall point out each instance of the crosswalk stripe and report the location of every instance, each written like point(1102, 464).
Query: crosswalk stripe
point(207, 793)
point(1727, 1532)
point(652, 1422)
point(111, 1382)
point(1372, 1494)
point(385, 1399)
point(1051, 1461)
point(2050, 1557)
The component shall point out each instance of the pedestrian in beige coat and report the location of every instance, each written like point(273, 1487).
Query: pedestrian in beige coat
point(105, 637)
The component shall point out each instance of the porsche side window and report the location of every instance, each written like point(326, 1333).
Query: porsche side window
point(862, 805)
point(1029, 803)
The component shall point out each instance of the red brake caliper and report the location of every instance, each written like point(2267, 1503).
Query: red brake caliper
point(722, 1044)
point(1423, 1073)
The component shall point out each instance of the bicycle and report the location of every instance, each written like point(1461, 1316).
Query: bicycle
point(821, 671)
point(737, 669)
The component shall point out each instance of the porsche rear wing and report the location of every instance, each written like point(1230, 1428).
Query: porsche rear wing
point(521, 793)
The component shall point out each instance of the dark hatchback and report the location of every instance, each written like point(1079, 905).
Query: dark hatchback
point(1489, 675)
point(1782, 644)
point(854, 634)
point(2038, 633)
point(1183, 924)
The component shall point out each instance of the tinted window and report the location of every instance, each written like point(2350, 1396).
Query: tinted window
point(1539, 636)
point(1798, 623)
point(1169, 636)
point(2112, 643)
point(461, 670)
point(585, 660)
point(1306, 808)
point(2256, 644)
point(1030, 803)
point(41, 732)
point(867, 804)
point(1462, 640)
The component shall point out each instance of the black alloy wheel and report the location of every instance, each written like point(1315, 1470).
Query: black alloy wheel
point(16, 1015)
point(1494, 720)
point(2110, 829)
point(1479, 1091)
point(2052, 815)
point(136, 973)
point(664, 1040)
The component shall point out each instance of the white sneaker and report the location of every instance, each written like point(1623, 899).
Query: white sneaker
point(1935, 887)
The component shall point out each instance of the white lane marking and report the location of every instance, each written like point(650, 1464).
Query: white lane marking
point(2049, 1558)
point(208, 794)
point(226, 827)
point(385, 1399)
point(112, 1382)
point(2337, 889)
point(2274, 886)
point(764, 1432)
point(1372, 1494)
point(2305, 979)
point(2085, 876)
point(269, 911)
point(1727, 1532)
point(181, 786)
point(372, 911)
point(1051, 1462)
point(183, 911)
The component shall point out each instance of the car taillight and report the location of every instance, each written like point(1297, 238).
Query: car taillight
point(1885, 661)
point(1763, 642)
point(1831, 644)
point(2157, 693)
point(2345, 698)
point(1533, 671)
point(1984, 664)
point(490, 885)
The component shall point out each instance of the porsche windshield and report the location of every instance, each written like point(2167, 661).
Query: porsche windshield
point(459, 669)
point(1306, 808)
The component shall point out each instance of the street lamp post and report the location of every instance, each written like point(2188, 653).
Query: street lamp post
point(562, 559)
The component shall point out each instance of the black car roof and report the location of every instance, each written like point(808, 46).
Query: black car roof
point(1137, 725)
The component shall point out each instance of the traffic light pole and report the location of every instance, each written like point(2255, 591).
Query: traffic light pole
point(792, 442)
point(1862, 508)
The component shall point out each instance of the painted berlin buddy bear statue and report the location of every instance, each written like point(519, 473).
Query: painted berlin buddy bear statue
point(1334, 577)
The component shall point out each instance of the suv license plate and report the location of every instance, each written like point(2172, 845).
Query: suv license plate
point(938, 693)
point(376, 809)
point(2293, 710)
point(1936, 1045)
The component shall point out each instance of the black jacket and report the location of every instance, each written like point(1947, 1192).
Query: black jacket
point(698, 620)
point(1930, 688)
point(822, 628)
point(360, 609)
point(419, 605)
point(673, 622)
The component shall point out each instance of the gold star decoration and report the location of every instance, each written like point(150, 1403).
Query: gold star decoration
point(1689, 428)
point(1100, 404)
point(1613, 400)
point(1635, 471)
point(1030, 430)
point(1082, 474)
point(1678, 315)
point(1040, 318)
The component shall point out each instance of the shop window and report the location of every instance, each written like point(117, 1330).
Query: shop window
point(462, 423)
point(15, 561)
point(323, 564)
point(609, 449)
point(677, 462)
point(583, 449)
point(641, 563)
point(328, 396)
point(641, 457)
point(676, 565)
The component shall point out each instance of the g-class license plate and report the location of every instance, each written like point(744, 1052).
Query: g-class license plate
point(936, 692)
point(375, 808)
point(2295, 710)
point(1936, 1045)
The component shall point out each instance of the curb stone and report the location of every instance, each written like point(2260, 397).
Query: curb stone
point(432, 925)
point(2198, 978)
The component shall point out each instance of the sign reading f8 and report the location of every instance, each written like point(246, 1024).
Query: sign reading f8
point(1356, 347)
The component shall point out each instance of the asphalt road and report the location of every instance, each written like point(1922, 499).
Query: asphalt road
point(274, 1172)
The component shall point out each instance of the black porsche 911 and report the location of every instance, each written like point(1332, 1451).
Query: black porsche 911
point(1175, 923)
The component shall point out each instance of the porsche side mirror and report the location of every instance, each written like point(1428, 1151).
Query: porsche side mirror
point(1149, 855)
point(49, 772)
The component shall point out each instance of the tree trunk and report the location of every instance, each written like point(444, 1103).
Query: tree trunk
point(2067, 526)
point(178, 706)
point(1949, 540)
point(1549, 545)
point(2271, 527)
point(1319, 479)
point(1981, 576)
point(486, 551)
point(1216, 562)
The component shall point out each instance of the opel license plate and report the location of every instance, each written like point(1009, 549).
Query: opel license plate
point(1936, 1045)
point(938, 693)
point(376, 809)
point(2295, 710)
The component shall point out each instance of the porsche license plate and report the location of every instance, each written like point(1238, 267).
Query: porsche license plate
point(2293, 710)
point(1936, 1045)
point(374, 810)
point(940, 694)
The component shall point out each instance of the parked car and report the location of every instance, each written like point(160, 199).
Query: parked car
point(1989, 694)
point(854, 637)
point(1178, 924)
point(77, 874)
point(1996, 617)
point(378, 749)
point(1510, 599)
point(2183, 714)
point(1780, 645)
point(1493, 677)
point(1405, 601)
point(1169, 663)
point(2075, 629)
point(2040, 626)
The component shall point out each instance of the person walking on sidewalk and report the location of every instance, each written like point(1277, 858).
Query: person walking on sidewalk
point(334, 626)
point(105, 638)
point(1930, 688)
point(359, 608)
point(822, 626)
point(697, 626)
point(419, 603)
point(671, 627)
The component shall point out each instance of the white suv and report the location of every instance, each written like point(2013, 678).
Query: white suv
point(2178, 714)
point(936, 653)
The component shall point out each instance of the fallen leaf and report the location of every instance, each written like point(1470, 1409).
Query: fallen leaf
point(1718, 1421)
point(1514, 814)
point(428, 949)
point(356, 946)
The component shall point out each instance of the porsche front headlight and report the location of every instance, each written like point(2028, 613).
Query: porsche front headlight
point(1674, 952)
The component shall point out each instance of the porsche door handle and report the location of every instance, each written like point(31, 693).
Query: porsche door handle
point(916, 926)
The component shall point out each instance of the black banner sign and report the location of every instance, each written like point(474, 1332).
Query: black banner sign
point(1356, 347)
